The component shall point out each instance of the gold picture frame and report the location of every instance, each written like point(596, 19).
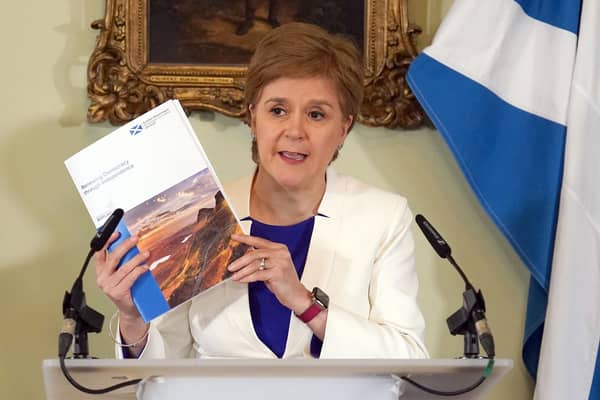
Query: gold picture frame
point(134, 68)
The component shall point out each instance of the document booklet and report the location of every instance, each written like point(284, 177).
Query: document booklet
point(155, 169)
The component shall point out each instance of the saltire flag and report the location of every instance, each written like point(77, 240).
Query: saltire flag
point(497, 82)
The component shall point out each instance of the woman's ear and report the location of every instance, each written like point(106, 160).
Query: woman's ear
point(346, 126)
point(252, 117)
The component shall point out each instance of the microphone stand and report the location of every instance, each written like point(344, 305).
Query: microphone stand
point(469, 320)
point(463, 323)
point(80, 319)
point(86, 319)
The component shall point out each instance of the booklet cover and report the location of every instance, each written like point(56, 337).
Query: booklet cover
point(155, 169)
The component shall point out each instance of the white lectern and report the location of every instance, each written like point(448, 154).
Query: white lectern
point(297, 379)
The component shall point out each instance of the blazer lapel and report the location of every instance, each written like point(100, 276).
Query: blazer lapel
point(238, 197)
point(321, 253)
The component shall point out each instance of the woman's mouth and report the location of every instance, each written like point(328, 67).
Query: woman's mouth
point(292, 156)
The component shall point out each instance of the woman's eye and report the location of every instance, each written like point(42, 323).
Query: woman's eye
point(316, 115)
point(277, 111)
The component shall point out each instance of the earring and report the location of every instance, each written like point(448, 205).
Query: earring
point(339, 148)
point(253, 136)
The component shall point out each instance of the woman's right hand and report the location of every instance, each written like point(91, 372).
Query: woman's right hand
point(116, 282)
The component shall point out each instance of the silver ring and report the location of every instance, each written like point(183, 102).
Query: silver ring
point(262, 266)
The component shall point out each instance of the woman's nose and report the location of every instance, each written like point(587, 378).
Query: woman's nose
point(296, 128)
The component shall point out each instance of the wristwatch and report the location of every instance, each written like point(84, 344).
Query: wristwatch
point(320, 303)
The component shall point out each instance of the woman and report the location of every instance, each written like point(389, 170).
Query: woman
point(332, 270)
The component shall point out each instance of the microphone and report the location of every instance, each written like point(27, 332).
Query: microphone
point(440, 245)
point(106, 230)
point(433, 237)
point(469, 319)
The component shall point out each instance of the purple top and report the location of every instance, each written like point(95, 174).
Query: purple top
point(270, 318)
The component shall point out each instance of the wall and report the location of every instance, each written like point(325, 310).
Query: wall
point(427, 14)
point(46, 229)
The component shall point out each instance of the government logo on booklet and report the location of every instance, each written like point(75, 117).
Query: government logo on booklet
point(134, 130)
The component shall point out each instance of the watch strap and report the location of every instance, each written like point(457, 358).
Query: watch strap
point(311, 312)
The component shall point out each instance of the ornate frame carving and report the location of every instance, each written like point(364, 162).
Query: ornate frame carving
point(122, 84)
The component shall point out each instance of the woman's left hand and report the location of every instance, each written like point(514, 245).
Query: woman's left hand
point(279, 273)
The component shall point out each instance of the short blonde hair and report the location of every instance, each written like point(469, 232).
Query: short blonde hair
point(298, 50)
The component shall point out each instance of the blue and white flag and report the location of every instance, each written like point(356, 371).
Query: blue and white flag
point(497, 83)
point(569, 364)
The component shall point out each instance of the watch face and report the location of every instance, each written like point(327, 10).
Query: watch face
point(321, 297)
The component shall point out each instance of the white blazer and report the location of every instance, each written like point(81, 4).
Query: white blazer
point(361, 254)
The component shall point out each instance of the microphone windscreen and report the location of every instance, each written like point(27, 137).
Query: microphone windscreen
point(433, 237)
point(106, 230)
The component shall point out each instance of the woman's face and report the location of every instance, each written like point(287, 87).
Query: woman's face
point(298, 123)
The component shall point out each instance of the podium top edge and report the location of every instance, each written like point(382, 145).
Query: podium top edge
point(293, 365)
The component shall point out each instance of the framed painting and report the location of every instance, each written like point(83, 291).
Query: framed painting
point(148, 51)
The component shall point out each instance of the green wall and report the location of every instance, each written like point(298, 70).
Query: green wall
point(46, 229)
